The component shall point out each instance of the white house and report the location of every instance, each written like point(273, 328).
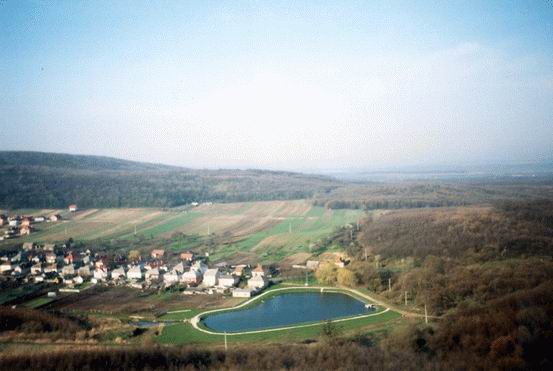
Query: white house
point(135, 273)
point(51, 258)
point(84, 271)
point(199, 267)
point(37, 268)
point(68, 270)
point(14, 223)
point(211, 277)
point(228, 280)
point(171, 277)
point(78, 280)
point(241, 293)
point(100, 274)
point(39, 219)
point(51, 268)
point(179, 268)
point(152, 274)
point(192, 277)
point(258, 271)
point(5, 267)
point(118, 273)
point(72, 208)
point(256, 282)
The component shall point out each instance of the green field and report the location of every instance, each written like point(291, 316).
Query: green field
point(268, 231)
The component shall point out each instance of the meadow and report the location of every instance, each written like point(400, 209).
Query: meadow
point(266, 231)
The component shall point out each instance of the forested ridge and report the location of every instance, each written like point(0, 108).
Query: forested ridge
point(50, 180)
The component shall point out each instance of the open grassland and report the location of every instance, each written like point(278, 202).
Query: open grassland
point(267, 231)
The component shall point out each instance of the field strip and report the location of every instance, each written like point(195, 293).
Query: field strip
point(196, 319)
point(179, 311)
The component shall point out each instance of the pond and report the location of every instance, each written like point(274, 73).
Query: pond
point(287, 310)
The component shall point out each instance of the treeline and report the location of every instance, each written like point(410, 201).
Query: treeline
point(343, 355)
point(404, 195)
point(37, 323)
point(47, 180)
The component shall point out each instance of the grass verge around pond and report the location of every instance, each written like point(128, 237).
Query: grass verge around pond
point(184, 333)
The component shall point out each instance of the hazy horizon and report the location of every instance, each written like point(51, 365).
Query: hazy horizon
point(305, 87)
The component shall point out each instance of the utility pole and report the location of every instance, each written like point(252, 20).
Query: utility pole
point(226, 347)
point(306, 278)
point(366, 254)
point(389, 285)
point(351, 234)
point(405, 298)
point(425, 314)
point(135, 229)
point(357, 223)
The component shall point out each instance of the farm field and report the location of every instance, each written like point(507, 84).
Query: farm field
point(265, 231)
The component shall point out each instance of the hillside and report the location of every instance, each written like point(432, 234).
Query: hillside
point(50, 180)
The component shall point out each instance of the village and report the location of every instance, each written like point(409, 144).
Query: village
point(57, 265)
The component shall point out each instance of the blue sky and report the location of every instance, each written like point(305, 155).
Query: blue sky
point(289, 85)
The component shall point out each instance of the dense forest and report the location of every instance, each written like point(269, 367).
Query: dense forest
point(49, 180)
point(487, 271)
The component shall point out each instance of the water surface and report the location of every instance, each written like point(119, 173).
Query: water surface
point(287, 310)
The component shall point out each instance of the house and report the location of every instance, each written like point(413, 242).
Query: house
point(192, 277)
point(13, 223)
point(72, 208)
point(258, 271)
point(36, 269)
point(187, 256)
point(312, 264)
point(84, 271)
point(49, 247)
point(118, 273)
point(211, 277)
point(158, 253)
point(3, 220)
point(39, 219)
point(171, 277)
point(228, 280)
point(152, 274)
point(51, 268)
point(5, 267)
point(135, 273)
point(68, 270)
point(199, 267)
point(38, 278)
point(100, 274)
point(26, 222)
point(241, 293)
point(54, 218)
point(18, 270)
point(68, 259)
point(239, 270)
point(25, 231)
point(78, 280)
point(179, 268)
point(28, 246)
point(51, 258)
point(17, 258)
point(257, 282)
point(222, 265)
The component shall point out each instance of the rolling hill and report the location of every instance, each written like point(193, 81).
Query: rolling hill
point(51, 180)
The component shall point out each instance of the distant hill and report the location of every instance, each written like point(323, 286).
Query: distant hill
point(52, 180)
